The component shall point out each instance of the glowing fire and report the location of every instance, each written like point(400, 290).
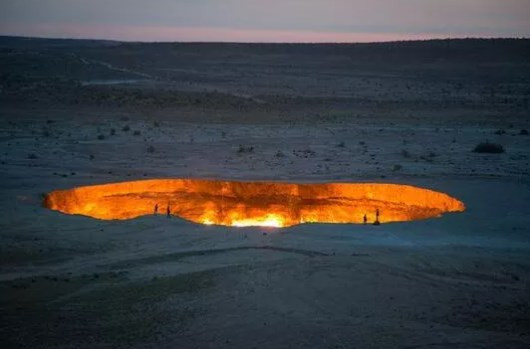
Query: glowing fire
point(242, 204)
point(270, 220)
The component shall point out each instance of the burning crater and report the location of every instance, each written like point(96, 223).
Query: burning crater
point(241, 204)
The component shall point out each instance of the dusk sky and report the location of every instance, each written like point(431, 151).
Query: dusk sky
point(265, 20)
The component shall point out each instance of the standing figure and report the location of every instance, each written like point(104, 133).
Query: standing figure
point(365, 219)
point(377, 217)
point(156, 209)
point(168, 211)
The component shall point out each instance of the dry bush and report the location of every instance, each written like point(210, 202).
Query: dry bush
point(491, 148)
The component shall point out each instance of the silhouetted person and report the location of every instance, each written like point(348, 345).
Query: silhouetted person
point(377, 217)
point(365, 219)
point(156, 210)
point(168, 211)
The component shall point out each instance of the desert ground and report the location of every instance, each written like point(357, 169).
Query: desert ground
point(78, 113)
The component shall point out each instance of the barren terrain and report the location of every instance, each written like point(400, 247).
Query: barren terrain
point(90, 112)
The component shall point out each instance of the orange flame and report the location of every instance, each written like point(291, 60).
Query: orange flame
point(240, 204)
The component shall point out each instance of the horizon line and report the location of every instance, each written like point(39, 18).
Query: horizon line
point(448, 38)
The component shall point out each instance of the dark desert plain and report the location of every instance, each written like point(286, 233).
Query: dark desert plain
point(84, 112)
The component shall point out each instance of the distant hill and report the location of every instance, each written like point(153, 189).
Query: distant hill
point(434, 73)
point(399, 51)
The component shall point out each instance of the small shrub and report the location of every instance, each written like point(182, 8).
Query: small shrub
point(151, 149)
point(486, 147)
point(126, 128)
point(136, 133)
point(341, 145)
point(101, 137)
point(112, 132)
point(500, 132)
point(524, 132)
point(245, 149)
point(305, 153)
point(397, 168)
point(32, 156)
point(425, 158)
point(405, 153)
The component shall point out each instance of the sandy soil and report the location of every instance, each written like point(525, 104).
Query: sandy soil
point(88, 112)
